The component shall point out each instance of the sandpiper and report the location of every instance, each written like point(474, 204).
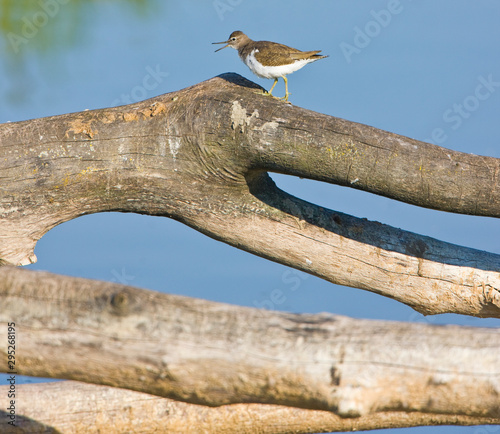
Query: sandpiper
point(269, 59)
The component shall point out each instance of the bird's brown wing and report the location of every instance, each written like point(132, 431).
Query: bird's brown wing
point(273, 54)
point(304, 54)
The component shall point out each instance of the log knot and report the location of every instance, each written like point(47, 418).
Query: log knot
point(120, 303)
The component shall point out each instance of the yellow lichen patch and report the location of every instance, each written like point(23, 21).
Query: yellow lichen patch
point(130, 117)
point(76, 178)
point(86, 171)
point(108, 118)
point(347, 149)
point(154, 110)
point(65, 182)
point(78, 126)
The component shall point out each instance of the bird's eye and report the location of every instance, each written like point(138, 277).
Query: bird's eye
point(233, 39)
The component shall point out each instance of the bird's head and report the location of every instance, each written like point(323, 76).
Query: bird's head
point(236, 40)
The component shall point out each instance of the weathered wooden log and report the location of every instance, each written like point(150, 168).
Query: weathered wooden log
point(71, 407)
point(214, 354)
point(201, 156)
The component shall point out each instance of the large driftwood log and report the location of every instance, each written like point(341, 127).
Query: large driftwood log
point(213, 354)
point(50, 408)
point(201, 156)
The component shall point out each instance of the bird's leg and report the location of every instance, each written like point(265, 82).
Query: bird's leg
point(285, 98)
point(272, 87)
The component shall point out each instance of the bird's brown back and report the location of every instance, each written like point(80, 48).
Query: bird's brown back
point(274, 54)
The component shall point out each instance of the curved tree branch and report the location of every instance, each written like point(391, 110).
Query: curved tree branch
point(200, 155)
point(213, 354)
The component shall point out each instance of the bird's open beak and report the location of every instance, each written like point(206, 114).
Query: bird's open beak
point(224, 42)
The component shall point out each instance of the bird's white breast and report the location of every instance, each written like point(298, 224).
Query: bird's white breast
point(272, 71)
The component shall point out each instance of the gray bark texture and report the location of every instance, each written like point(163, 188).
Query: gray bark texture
point(367, 374)
point(50, 409)
point(201, 156)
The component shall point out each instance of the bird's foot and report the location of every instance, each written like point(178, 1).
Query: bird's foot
point(264, 92)
point(285, 98)
point(267, 93)
point(281, 98)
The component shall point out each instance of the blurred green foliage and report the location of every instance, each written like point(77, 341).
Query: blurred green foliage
point(34, 33)
point(42, 25)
